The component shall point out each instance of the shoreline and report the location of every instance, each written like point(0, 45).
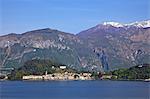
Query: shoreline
point(72, 80)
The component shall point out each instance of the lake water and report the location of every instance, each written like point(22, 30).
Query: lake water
point(74, 90)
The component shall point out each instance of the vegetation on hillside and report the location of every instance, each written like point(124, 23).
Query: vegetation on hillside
point(134, 73)
point(38, 67)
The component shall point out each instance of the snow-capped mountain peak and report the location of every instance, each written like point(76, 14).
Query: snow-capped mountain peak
point(115, 24)
point(142, 24)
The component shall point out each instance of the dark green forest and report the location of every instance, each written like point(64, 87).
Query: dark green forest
point(133, 73)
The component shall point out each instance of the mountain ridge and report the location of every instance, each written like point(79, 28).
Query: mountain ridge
point(141, 24)
point(99, 48)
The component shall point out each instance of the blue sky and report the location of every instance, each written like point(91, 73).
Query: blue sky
point(18, 16)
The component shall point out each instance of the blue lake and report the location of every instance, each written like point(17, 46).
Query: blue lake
point(74, 90)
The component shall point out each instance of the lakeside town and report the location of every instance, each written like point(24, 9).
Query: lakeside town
point(63, 74)
point(60, 76)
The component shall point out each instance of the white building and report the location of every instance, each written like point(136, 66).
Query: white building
point(62, 67)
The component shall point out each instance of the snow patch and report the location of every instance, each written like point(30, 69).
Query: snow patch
point(142, 24)
point(115, 24)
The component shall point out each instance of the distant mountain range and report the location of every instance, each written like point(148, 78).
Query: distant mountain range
point(106, 46)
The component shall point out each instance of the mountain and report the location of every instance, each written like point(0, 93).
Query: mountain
point(142, 24)
point(106, 46)
point(60, 47)
point(122, 45)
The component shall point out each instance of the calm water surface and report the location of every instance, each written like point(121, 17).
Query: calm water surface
point(74, 90)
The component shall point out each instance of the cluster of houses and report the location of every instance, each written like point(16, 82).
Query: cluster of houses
point(60, 76)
